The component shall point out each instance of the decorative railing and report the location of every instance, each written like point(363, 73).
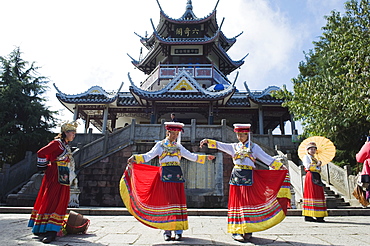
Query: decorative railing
point(340, 178)
point(198, 71)
point(11, 177)
point(193, 133)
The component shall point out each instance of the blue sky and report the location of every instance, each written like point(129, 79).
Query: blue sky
point(80, 43)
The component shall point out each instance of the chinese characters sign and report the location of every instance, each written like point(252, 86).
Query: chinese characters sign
point(187, 31)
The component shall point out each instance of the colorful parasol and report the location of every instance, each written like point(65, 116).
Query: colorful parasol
point(325, 149)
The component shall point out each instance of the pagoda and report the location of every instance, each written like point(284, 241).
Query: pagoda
point(187, 68)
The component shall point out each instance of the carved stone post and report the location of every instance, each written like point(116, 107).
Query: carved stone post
point(74, 200)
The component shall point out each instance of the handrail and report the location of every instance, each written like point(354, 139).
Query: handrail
point(193, 133)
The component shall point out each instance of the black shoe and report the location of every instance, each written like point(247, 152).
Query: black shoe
point(178, 237)
point(49, 237)
point(166, 237)
point(247, 236)
point(320, 219)
point(39, 234)
point(309, 219)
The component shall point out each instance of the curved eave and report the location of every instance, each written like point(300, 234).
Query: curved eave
point(143, 61)
point(148, 42)
point(127, 100)
point(88, 99)
point(267, 100)
point(210, 17)
point(143, 96)
point(176, 96)
point(95, 95)
point(265, 96)
point(228, 41)
point(172, 41)
point(238, 102)
point(236, 64)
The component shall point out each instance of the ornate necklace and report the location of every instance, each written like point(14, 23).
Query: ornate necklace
point(170, 147)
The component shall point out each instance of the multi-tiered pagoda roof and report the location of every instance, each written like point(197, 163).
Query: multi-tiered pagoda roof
point(187, 66)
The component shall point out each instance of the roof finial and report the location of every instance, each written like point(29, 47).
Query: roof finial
point(189, 5)
point(189, 15)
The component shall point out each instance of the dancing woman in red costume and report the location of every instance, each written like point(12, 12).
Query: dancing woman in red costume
point(253, 197)
point(50, 207)
point(156, 195)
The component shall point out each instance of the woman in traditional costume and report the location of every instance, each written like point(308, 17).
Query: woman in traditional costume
point(314, 203)
point(155, 196)
point(51, 203)
point(363, 156)
point(253, 205)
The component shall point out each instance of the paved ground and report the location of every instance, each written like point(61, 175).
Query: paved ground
point(204, 230)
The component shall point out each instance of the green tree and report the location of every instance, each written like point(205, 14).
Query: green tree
point(24, 120)
point(332, 92)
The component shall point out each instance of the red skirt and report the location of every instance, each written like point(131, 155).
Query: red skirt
point(151, 201)
point(256, 208)
point(284, 196)
point(314, 202)
point(51, 203)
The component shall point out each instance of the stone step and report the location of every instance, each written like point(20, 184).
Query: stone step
point(343, 204)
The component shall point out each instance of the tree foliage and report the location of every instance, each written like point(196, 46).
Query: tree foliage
point(24, 120)
point(331, 94)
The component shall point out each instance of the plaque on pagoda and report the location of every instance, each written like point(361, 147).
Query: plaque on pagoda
point(187, 31)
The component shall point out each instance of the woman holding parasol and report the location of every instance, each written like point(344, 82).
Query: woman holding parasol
point(314, 202)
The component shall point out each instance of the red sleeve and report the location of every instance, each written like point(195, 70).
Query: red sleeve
point(364, 153)
point(48, 153)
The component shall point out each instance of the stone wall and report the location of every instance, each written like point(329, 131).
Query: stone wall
point(99, 183)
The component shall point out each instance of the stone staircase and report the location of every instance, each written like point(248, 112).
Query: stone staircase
point(335, 200)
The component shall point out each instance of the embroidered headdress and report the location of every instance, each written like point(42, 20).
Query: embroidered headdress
point(174, 126)
point(69, 126)
point(311, 145)
point(242, 128)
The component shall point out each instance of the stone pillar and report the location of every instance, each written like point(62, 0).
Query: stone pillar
point(153, 114)
point(295, 136)
point(87, 123)
point(132, 131)
point(223, 130)
point(193, 131)
point(292, 123)
point(105, 120)
point(113, 121)
point(210, 114)
point(282, 127)
point(260, 119)
point(75, 113)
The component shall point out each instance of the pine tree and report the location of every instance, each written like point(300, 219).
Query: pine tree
point(25, 121)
